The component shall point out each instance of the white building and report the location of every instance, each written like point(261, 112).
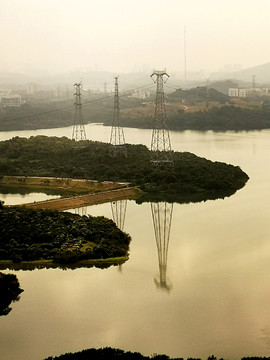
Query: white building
point(233, 92)
point(139, 94)
point(252, 92)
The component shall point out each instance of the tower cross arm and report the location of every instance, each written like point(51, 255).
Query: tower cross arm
point(159, 73)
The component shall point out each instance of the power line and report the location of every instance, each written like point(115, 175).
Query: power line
point(65, 108)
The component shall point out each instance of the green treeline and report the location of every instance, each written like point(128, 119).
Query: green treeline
point(37, 116)
point(217, 119)
point(191, 179)
point(108, 353)
point(28, 235)
point(55, 114)
point(222, 119)
point(99, 109)
point(9, 291)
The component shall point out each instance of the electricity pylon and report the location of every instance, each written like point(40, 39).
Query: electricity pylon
point(162, 218)
point(78, 132)
point(117, 139)
point(161, 152)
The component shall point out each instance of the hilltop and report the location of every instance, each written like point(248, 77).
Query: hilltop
point(197, 94)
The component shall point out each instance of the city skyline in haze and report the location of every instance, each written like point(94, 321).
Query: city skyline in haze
point(126, 35)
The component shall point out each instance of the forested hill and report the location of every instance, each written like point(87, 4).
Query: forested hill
point(108, 353)
point(201, 93)
point(190, 179)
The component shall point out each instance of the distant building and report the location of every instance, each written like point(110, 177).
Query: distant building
point(139, 94)
point(31, 88)
point(252, 92)
point(233, 92)
point(10, 100)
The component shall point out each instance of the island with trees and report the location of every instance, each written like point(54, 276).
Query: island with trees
point(192, 178)
point(48, 238)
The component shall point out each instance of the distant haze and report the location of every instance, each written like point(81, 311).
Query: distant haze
point(53, 36)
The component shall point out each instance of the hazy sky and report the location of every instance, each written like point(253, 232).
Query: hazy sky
point(123, 35)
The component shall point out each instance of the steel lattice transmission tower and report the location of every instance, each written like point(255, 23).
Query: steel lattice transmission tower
point(117, 139)
point(161, 152)
point(162, 219)
point(78, 132)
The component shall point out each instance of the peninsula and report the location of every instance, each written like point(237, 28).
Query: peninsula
point(191, 179)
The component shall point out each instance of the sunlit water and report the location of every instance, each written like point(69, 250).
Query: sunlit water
point(217, 294)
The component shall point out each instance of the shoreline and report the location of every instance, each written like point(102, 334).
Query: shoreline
point(97, 192)
point(131, 193)
point(49, 264)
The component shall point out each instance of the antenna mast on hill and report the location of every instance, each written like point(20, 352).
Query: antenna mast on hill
point(117, 139)
point(78, 132)
point(161, 152)
point(185, 54)
point(253, 81)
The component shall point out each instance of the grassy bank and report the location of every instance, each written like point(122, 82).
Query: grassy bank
point(74, 192)
point(67, 184)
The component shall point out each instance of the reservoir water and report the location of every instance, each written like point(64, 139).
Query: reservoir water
point(207, 291)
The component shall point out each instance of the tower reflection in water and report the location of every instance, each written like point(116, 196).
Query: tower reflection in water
point(119, 209)
point(81, 210)
point(162, 219)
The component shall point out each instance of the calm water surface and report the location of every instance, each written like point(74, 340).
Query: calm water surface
point(215, 297)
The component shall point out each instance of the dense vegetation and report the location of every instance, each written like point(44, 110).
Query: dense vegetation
point(106, 353)
point(9, 291)
point(62, 237)
point(37, 116)
point(217, 119)
point(200, 93)
point(190, 179)
point(118, 354)
point(222, 119)
point(55, 114)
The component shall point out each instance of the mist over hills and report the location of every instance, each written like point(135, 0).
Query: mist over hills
point(92, 80)
point(261, 72)
point(104, 80)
